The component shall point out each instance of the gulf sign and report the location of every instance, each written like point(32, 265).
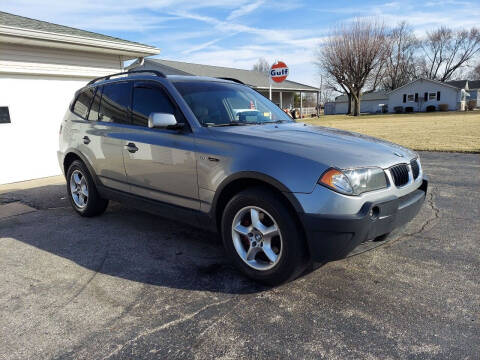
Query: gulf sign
point(279, 71)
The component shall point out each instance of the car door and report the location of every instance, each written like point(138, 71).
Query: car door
point(103, 141)
point(160, 163)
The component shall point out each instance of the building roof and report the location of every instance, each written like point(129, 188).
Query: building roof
point(377, 95)
point(423, 79)
point(249, 77)
point(7, 19)
point(473, 84)
point(461, 84)
point(24, 30)
point(465, 84)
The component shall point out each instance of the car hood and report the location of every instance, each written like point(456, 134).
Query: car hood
point(329, 146)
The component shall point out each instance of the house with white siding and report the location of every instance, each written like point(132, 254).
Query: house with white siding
point(41, 66)
point(421, 93)
point(416, 96)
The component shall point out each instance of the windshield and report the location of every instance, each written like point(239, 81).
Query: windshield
point(223, 104)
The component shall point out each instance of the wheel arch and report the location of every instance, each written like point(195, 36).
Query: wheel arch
point(72, 155)
point(246, 179)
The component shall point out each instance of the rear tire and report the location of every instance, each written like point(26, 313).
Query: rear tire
point(262, 238)
point(82, 193)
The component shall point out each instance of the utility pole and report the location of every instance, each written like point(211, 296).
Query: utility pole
point(321, 89)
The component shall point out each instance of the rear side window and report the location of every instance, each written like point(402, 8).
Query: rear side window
point(93, 115)
point(82, 104)
point(149, 98)
point(115, 103)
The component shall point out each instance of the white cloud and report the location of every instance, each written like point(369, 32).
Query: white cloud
point(228, 32)
point(245, 9)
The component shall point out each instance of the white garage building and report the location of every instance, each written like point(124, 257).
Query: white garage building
point(41, 66)
point(370, 102)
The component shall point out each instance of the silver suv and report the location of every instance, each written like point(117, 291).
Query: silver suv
point(217, 154)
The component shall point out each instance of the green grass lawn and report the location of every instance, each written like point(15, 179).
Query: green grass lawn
point(441, 131)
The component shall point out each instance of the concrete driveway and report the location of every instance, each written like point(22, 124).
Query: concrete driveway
point(129, 285)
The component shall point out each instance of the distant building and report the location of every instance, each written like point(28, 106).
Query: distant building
point(418, 95)
point(471, 86)
point(421, 93)
point(282, 93)
point(370, 102)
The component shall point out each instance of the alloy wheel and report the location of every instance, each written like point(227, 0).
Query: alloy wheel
point(257, 238)
point(79, 189)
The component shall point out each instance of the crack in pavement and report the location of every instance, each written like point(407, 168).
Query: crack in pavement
point(436, 215)
point(97, 270)
point(83, 287)
point(165, 326)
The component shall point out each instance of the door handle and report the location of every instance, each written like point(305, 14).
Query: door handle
point(131, 147)
point(86, 140)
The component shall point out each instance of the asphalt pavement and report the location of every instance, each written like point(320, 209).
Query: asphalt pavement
point(130, 285)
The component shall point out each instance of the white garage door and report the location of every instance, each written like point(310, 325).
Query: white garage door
point(30, 142)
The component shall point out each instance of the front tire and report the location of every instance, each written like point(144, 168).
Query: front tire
point(262, 238)
point(82, 192)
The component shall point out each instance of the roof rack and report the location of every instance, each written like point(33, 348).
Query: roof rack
point(157, 73)
point(231, 79)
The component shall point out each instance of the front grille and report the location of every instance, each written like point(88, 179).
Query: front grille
point(415, 168)
point(399, 174)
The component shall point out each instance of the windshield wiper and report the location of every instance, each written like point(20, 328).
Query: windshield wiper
point(276, 122)
point(228, 124)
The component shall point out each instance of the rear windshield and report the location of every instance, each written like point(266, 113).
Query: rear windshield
point(218, 103)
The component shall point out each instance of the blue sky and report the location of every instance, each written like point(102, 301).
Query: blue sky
point(237, 32)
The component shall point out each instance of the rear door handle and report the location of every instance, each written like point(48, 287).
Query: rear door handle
point(131, 147)
point(86, 140)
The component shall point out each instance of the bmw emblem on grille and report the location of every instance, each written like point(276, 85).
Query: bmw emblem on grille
point(398, 154)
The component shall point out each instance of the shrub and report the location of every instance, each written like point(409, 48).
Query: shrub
point(431, 108)
point(443, 107)
point(471, 104)
point(409, 109)
point(398, 109)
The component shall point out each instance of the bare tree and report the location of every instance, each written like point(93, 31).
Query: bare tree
point(262, 66)
point(446, 51)
point(399, 65)
point(475, 72)
point(350, 55)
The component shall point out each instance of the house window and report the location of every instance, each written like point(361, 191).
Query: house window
point(432, 96)
point(411, 98)
point(4, 115)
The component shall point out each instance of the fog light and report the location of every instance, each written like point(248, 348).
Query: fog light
point(374, 211)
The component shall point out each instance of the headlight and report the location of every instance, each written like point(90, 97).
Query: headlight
point(354, 181)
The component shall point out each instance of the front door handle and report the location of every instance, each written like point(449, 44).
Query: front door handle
point(131, 147)
point(86, 140)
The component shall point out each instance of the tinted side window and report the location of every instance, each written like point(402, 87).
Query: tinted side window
point(149, 98)
point(82, 104)
point(93, 115)
point(115, 103)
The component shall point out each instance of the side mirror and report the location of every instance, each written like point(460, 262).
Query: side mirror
point(161, 120)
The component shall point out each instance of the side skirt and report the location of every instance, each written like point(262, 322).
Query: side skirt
point(191, 217)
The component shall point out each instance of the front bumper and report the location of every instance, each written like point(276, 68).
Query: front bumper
point(333, 237)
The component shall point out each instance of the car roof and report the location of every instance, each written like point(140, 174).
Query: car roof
point(173, 78)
